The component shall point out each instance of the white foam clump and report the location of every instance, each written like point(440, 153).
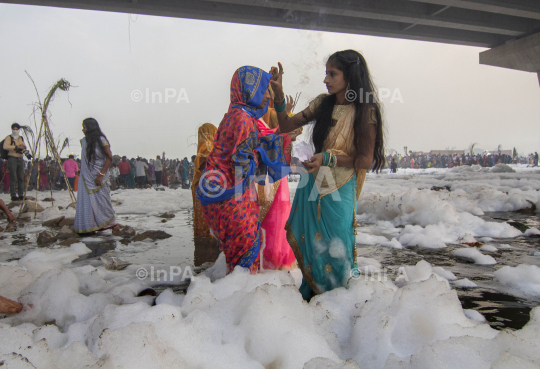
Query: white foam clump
point(428, 237)
point(468, 238)
point(433, 219)
point(40, 261)
point(393, 243)
point(420, 207)
point(464, 283)
point(169, 297)
point(368, 265)
point(255, 321)
point(444, 273)
point(369, 239)
point(531, 232)
point(13, 280)
point(489, 248)
point(219, 269)
point(420, 272)
point(506, 350)
point(504, 246)
point(486, 239)
point(502, 168)
point(524, 278)
point(475, 255)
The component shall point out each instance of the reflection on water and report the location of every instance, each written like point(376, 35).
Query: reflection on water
point(206, 250)
point(500, 310)
point(99, 248)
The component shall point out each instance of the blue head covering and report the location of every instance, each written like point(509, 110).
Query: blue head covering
point(248, 87)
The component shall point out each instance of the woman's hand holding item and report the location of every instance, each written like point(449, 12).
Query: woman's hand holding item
point(98, 179)
point(314, 163)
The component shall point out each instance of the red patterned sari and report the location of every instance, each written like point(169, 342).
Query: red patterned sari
point(227, 186)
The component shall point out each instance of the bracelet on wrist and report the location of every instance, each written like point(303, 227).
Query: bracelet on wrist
point(326, 158)
point(281, 108)
point(333, 161)
point(280, 101)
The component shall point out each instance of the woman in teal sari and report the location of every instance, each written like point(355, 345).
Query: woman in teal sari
point(131, 177)
point(348, 140)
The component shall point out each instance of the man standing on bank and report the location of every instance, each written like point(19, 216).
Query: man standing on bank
point(14, 145)
point(158, 168)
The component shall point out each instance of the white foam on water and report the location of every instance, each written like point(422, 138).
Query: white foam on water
point(82, 315)
point(473, 254)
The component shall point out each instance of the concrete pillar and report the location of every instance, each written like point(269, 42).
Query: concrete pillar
point(521, 54)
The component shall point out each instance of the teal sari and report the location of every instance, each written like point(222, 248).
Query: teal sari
point(131, 177)
point(322, 233)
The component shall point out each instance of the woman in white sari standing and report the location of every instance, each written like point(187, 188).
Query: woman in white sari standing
point(94, 208)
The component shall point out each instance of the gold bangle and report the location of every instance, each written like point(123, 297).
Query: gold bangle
point(333, 161)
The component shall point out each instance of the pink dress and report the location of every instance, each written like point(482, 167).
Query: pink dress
point(275, 206)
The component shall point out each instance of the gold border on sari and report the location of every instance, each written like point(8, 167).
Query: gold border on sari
point(349, 172)
point(95, 189)
point(256, 86)
point(95, 228)
point(299, 258)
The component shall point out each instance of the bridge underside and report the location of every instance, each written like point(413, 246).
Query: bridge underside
point(510, 28)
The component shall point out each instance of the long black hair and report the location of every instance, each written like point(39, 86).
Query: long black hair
point(362, 93)
point(93, 139)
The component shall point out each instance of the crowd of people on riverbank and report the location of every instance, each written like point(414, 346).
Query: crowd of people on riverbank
point(47, 174)
point(143, 173)
point(424, 161)
point(178, 173)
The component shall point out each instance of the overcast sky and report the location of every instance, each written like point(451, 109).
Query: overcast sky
point(440, 96)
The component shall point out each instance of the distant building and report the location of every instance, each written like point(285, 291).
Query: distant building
point(503, 152)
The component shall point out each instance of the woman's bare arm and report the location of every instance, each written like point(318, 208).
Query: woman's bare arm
point(109, 159)
point(288, 124)
point(365, 159)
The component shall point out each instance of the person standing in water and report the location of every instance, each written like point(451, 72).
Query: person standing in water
point(94, 207)
point(348, 139)
point(206, 247)
point(227, 186)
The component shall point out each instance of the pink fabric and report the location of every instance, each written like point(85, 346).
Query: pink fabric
point(70, 167)
point(277, 252)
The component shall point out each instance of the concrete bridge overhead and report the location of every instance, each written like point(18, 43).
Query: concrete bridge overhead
point(510, 28)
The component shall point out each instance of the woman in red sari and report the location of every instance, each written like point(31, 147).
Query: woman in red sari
point(165, 176)
point(227, 186)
